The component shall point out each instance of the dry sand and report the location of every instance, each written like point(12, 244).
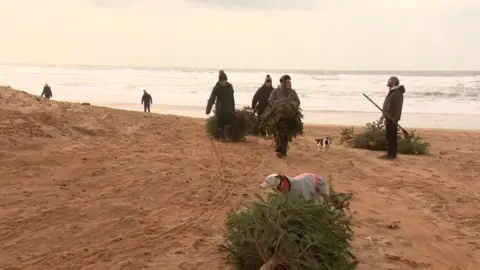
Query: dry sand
point(98, 188)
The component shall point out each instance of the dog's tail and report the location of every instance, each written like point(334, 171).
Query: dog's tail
point(318, 140)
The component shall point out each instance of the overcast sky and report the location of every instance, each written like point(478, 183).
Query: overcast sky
point(282, 34)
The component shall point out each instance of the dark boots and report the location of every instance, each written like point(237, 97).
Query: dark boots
point(219, 134)
point(281, 146)
point(223, 134)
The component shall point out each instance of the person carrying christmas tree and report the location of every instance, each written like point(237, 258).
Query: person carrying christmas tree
point(282, 93)
point(260, 100)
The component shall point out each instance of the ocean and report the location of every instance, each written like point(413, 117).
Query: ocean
point(433, 99)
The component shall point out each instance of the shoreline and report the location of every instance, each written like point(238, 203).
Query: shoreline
point(358, 119)
point(455, 122)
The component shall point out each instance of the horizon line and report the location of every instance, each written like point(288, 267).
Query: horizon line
point(236, 68)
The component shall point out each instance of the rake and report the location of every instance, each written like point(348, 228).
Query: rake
point(406, 135)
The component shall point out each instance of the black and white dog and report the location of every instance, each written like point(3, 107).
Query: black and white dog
point(324, 144)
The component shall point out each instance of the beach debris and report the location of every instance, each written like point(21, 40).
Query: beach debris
point(368, 240)
point(394, 225)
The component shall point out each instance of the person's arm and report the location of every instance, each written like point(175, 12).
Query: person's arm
point(295, 98)
point(255, 98)
point(272, 98)
point(142, 100)
point(233, 99)
point(396, 108)
point(43, 92)
point(151, 99)
point(211, 100)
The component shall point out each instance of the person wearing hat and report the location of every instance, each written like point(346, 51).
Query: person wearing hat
point(260, 99)
point(47, 91)
point(223, 97)
point(283, 92)
point(146, 101)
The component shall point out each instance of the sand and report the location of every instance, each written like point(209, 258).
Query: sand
point(84, 187)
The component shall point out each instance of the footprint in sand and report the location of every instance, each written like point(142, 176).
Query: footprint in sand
point(199, 243)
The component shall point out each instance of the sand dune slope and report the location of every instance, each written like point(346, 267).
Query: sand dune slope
point(97, 188)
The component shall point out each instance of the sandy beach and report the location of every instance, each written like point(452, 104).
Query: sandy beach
point(331, 117)
point(86, 187)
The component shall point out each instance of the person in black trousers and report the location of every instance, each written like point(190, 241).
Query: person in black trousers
point(223, 97)
point(260, 100)
point(146, 101)
point(392, 112)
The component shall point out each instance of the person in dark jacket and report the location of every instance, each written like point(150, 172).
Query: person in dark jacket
point(47, 92)
point(260, 99)
point(283, 92)
point(223, 97)
point(392, 112)
point(146, 101)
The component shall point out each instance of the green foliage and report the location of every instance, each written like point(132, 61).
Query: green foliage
point(300, 234)
point(243, 123)
point(283, 121)
point(373, 138)
point(253, 119)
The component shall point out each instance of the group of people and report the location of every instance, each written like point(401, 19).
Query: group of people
point(223, 97)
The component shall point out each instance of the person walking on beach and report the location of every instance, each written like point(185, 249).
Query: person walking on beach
point(392, 112)
point(146, 101)
point(260, 100)
point(223, 97)
point(47, 91)
point(283, 92)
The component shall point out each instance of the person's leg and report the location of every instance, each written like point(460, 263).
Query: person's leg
point(262, 128)
point(144, 107)
point(148, 107)
point(226, 128)
point(394, 144)
point(285, 146)
point(281, 145)
point(278, 146)
point(391, 134)
point(220, 126)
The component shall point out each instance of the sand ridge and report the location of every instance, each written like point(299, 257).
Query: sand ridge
point(85, 187)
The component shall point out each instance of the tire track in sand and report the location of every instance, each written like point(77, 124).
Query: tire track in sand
point(218, 177)
point(223, 192)
point(171, 234)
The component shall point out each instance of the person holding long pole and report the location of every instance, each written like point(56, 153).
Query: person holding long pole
point(392, 112)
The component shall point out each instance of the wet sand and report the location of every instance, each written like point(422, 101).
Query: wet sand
point(325, 117)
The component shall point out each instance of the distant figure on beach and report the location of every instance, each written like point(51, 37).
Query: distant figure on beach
point(223, 97)
point(392, 112)
point(47, 91)
point(282, 92)
point(146, 101)
point(260, 99)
